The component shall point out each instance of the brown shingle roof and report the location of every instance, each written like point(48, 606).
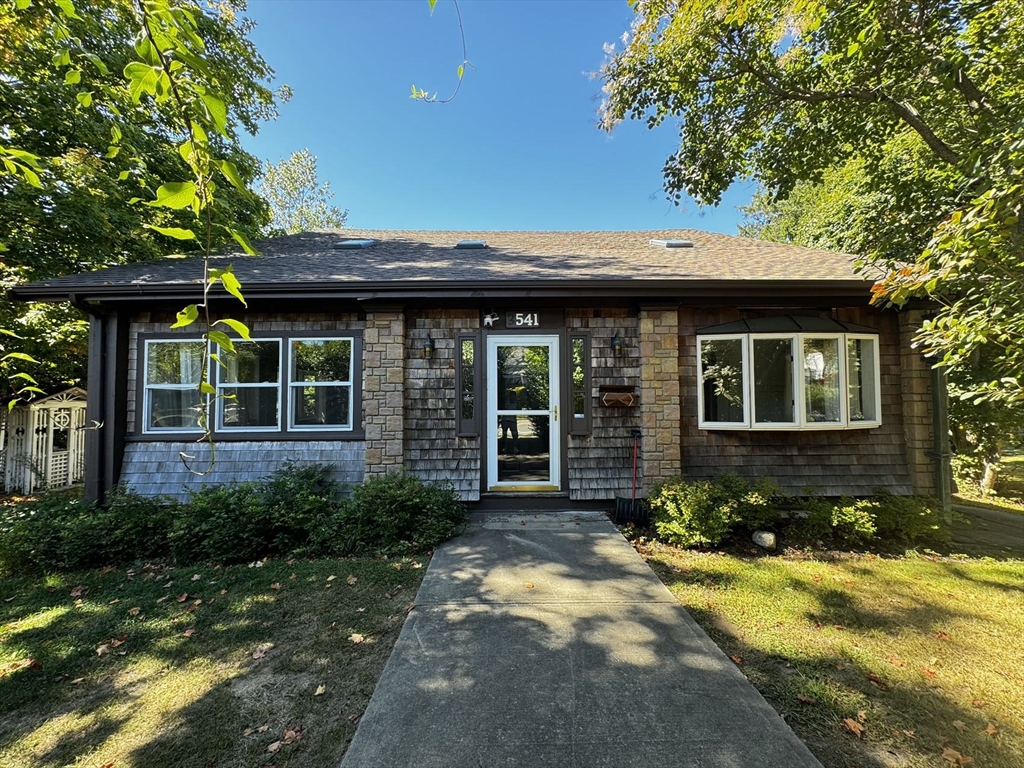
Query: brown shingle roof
point(429, 257)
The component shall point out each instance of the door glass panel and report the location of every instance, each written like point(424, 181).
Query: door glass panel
point(524, 445)
point(523, 378)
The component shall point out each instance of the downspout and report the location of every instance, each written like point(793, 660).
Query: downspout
point(940, 450)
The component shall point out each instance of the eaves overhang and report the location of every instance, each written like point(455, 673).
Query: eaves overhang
point(490, 289)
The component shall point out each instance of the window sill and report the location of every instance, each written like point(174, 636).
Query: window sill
point(248, 437)
point(788, 427)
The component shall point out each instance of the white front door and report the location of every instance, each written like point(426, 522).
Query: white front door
point(523, 445)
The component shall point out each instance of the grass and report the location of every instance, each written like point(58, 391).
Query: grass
point(196, 667)
point(925, 654)
point(1009, 494)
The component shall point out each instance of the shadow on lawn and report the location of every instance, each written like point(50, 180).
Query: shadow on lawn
point(177, 700)
point(841, 686)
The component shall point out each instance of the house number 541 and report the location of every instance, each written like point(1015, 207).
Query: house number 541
point(523, 319)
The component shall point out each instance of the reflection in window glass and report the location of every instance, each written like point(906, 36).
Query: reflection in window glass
point(523, 378)
point(773, 381)
point(322, 360)
point(467, 384)
point(252, 362)
point(579, 378)
point(862, 378)
point(721, 362)
point(249, 407)
point(822, 397)
point(320, 406)
point(173, 372)
point(248, 384)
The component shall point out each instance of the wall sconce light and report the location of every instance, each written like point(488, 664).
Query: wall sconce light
point(428, 347)
point(616, 345)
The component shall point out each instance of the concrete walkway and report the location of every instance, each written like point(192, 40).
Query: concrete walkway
point(990, 530)
point(544, 640)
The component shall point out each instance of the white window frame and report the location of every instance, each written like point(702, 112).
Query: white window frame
point(799, 387)
point(292, 427)
point(147, 387)
point(796, 380)
point(745, 352)
point(877, 421)
point(279, 386)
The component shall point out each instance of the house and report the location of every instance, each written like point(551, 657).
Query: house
point(514, 364)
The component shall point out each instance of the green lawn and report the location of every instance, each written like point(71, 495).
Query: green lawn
point(239, 666)
point(925, 654)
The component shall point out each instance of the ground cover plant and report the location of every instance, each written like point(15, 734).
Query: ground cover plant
point(297, 511)
point(270, 663)
point(874, 661)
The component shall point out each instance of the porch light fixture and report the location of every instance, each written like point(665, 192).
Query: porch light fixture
point(428, 347)
point(616, 345)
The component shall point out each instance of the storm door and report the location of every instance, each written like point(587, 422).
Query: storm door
point(522, 413)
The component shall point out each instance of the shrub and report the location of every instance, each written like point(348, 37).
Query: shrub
point(59, 532)
point(247, 521)
point(693, 514)
point(853, 522)
point(910, 519)
point(392, 514)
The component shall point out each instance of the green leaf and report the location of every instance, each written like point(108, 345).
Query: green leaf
point(176, 232)
point(112, 151)
point(21, 5)
point(115, 134)
point(143, 79)
point(461, 71)
point(237, 326)
point(222, 340)
point(432, 4)
point(98, 63)
point(207, 388)
point(218, 113)
point(24, 376)
point(175, 194)
point(85, 98)
point(231, 174)
point(68, 7)
point(73, 77)
point(187, 316)
point(243, 241)
point(19, 356)
point(232, 286)
point(123, 175)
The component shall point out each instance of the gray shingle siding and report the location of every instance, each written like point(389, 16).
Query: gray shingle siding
point(156, 469)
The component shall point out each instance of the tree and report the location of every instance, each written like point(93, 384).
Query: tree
point(298, 201)
point(781, 91)
point(103, 146)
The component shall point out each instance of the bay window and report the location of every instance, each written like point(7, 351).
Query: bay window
point(802, 380)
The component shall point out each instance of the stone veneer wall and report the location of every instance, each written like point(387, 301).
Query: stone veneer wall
point(433, 450)
point(600, 465)
point(918, 426)
point(826, 462)
point(383, 390)
point(660, 394)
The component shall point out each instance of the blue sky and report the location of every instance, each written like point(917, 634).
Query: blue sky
point(519, 147)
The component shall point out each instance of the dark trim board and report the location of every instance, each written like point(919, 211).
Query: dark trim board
point(529, 504)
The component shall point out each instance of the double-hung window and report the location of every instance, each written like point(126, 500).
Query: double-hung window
point(285, 383)
point(816, 378)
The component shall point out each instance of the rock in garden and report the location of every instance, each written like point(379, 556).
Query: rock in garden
point(764, 539)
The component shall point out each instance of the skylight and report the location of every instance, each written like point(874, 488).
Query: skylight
point(672, 243)
point(471, 244)
point(353, 244)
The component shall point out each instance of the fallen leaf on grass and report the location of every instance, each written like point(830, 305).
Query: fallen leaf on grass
point(189, 632)
point(292, 734)
point(108, 764)
point(79, 591)
point(259, 653)
point(102, 650)
point(896, 662)
point(838, 626)
point(134, 611)
point(529, 585)
point(356, 638)
point(320, 690)
point(78, 680)
point(118, 641)
point(878, 682)
point(805, 699)
point(223, 591)
point(162, 599)
point(942, 636)
point(273, 746)
point(276, 585)
point(263, 728)
point(979, 703)
point(115, 601)
point(293, 577)
point(354, 719)
point(960, 725)
point(397, 566)
point(927, 672)
point(737, 659)
point(854, 727)
point(351, 579)
point(910, 734)
point(954, 757)
point(197, 577)
point(183, 597)
point(417, 565)
point(991, 730)
point(862, 716)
